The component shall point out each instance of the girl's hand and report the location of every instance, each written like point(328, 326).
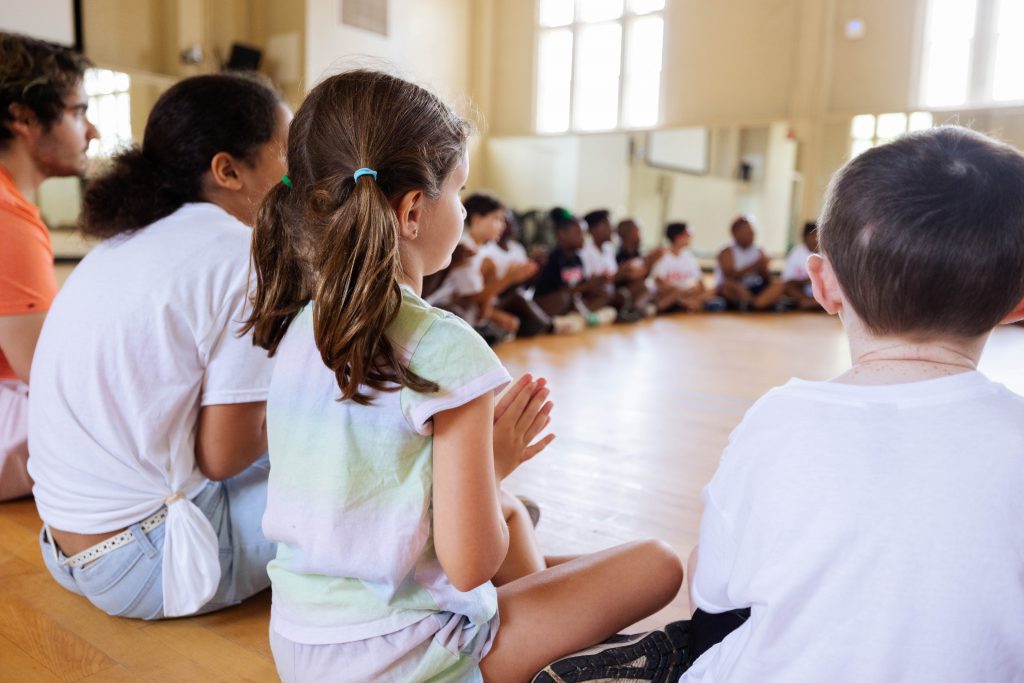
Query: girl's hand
point(522, 413)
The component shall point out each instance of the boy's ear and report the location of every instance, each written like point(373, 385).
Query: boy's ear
point(22, 119)
point(1016, 315)
point(224, 171)
point(824, 284)
point(410, 213)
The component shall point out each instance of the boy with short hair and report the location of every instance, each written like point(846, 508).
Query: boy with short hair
point(679, 277)
point(878, 536)
point(742, 274)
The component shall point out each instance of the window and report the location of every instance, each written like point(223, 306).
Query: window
point(599, 64)
point(869, 131)
point(109, 110)
point(973, 53)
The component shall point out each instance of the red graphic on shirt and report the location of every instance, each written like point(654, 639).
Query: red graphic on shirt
point(572, 275)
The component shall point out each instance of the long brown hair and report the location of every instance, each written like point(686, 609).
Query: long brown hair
point(333, 240)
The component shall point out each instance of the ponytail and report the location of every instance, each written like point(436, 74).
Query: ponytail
point(132, 194)
point(281, 283)
point(193, 121)
point(334, 240)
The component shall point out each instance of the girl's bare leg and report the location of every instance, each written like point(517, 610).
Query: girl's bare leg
point(557, 611)
point(524, 556)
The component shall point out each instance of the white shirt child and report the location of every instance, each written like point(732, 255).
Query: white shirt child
point(598, 261)
point(504, 258)
point(796, 264)
point(680, 270)
point(741, 258)
point(144, 333)
point(874, 531)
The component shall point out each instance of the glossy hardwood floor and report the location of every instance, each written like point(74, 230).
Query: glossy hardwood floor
point(642, 414)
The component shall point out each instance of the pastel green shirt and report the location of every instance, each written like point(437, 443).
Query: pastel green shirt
point(349, 498)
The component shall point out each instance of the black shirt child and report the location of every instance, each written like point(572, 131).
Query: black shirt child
point(562, 270)
point(626, 255)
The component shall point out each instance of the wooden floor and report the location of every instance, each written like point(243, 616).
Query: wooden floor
point(642, 414)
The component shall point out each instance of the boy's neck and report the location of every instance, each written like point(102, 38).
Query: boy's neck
point(895, 360)
point(677, 249)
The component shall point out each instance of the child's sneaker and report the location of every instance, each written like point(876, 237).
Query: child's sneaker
point(716, 304)
point(651, 310)
point(605, 315)
point(654, 656)
point(630, 315)
point(568, 324)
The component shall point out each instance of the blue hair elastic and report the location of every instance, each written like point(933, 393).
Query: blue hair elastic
point(364, 171)
point(287, 181)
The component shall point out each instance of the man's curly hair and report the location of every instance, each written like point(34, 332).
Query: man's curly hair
point(37, 74)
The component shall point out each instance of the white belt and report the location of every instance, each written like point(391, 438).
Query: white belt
point(114, 542)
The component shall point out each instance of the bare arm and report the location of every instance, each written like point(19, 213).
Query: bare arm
point(230, 437)
point(728, 266)
point(18, 337)
point(470, 534)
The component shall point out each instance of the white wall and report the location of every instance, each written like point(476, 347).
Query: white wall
point(52, 20)
point(427, 41)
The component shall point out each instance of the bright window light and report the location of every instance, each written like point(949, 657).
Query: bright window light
point(109, 110)
point(642, 87)
point(599, 64)
point(598, 60)
point(598, 10)
point(646, 6)
point(556, 12)
point(554, 81)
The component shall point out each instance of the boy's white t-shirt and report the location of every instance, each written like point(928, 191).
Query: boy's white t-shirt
point(144, 333)
point(464, 280)
point(680, 270)
point(796, 264)
point(597, 260)
point(874, 531)
point(741, 258)
point(504, 258)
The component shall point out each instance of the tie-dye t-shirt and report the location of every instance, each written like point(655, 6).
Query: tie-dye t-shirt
point(349, 498)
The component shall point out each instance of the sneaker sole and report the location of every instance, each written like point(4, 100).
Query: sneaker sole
point(658, 656)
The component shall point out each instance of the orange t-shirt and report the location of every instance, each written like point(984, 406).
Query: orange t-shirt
point(27, 282)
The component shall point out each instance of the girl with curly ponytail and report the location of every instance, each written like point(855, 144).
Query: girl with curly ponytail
point(387, 446)
point(147, 409)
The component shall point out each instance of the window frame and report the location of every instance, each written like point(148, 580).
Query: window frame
point(624, 21)
point(981, 66)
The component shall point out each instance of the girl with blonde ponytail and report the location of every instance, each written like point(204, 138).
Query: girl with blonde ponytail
point(387, 446)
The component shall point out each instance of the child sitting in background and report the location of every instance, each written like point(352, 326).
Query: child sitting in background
point(871, 523)
point(742, 274)
point(503, 270)
point(794, 275)
point(679, 278)
point(563, 289)
point(627, 284)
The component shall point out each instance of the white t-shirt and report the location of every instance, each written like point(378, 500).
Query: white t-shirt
point(598, 260)
point(796, 264)
point(464, 280)
point(143, 333)
point(504, 258)
point(874, 531)
point(741, 258)
point(680, 270)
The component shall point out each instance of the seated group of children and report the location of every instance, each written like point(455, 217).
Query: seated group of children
point(592, 277)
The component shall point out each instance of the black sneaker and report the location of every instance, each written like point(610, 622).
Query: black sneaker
point(658, 656)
